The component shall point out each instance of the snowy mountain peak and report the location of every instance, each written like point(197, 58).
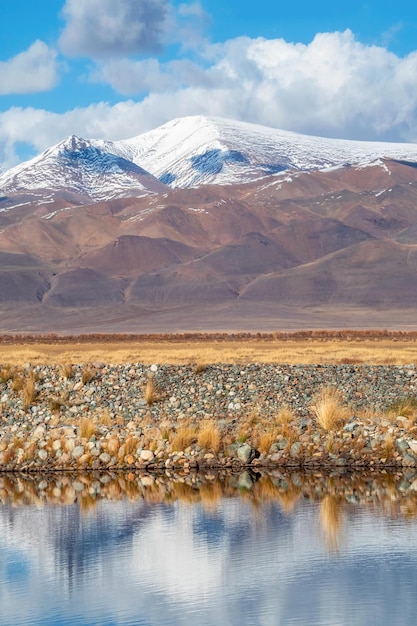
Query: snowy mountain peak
point(74, 143)
point(77, 167)
point(188, 152)
point(196, 150)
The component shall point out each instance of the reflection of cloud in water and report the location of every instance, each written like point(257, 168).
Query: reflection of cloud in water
point(181, 564)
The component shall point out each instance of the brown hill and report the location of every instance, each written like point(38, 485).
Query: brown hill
point(372, 274)
point(132, 255)
point(322, 248)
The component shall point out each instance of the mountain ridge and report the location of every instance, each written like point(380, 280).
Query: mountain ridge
point(326, 247)
point(187, 152)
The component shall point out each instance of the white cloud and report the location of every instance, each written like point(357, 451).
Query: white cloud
point(190, 22)
point(31, 71)
point(107, 28)
point(130, 77)
point(37, 129)
point(334, 86)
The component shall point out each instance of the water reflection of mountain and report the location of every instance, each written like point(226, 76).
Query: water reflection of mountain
point(137, 563)
point(79, 543)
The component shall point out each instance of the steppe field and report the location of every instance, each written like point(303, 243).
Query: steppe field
point(303, 347)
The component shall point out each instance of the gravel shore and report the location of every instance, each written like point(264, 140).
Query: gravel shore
point(44, 432)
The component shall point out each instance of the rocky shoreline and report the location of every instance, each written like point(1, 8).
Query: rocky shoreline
point(121, 417)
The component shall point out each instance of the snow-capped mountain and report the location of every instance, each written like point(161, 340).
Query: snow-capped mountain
point(79, 168)
point(187, 152)
point(192, 151)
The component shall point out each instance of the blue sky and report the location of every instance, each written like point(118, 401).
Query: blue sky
point(116, 68)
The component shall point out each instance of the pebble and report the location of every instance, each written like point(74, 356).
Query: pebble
point(225, 393)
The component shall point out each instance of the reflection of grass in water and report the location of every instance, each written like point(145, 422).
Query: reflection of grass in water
point(409, 509)
point(331, 522)
point(87, 503)
point(185, 492)
point(210, 494)
point(381, 493)
point(288, 499)
point(266, 490)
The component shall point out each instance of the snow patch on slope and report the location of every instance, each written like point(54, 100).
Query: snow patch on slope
point(78, 167)
point(197, 150)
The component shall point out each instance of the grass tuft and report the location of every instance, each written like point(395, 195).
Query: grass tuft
point(388, 446)
point(209, 436)
point(131, 445)
point(104, 418)
point(18, 382)
point(151, 392)
point(55, 404)
point(67, 370)
point(406, 407)
point(7, 372)
point(328, 408)
point(200, 367)
point(87, 428)
point(87, 375)
point(29, 390)
point(266, 439)
point(183, 438)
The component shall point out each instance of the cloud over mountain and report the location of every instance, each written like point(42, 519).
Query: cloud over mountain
point(334, 86)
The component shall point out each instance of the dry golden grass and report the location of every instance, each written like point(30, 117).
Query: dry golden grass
point(131, 445)
point(87, 375)
point(200, 367)
point(388, 446)
point(55, 403)
point(18, 382)
point(67, 370)
point(113, 445)
point(184, 437)
point(406, 407)
point(29, 390)
point(284, 425)
point(283, 419)
point(209, 436)
point(361, 349)
point(102, 417)
point(87, 427)
point(328, 408)
point(266, 439)
point(7, 372)
point(151, 392)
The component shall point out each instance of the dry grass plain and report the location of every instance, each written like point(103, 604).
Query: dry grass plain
point(349, 347)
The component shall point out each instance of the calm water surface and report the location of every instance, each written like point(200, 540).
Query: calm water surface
point(248, 550)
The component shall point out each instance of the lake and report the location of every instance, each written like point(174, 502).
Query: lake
point(251, 549)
